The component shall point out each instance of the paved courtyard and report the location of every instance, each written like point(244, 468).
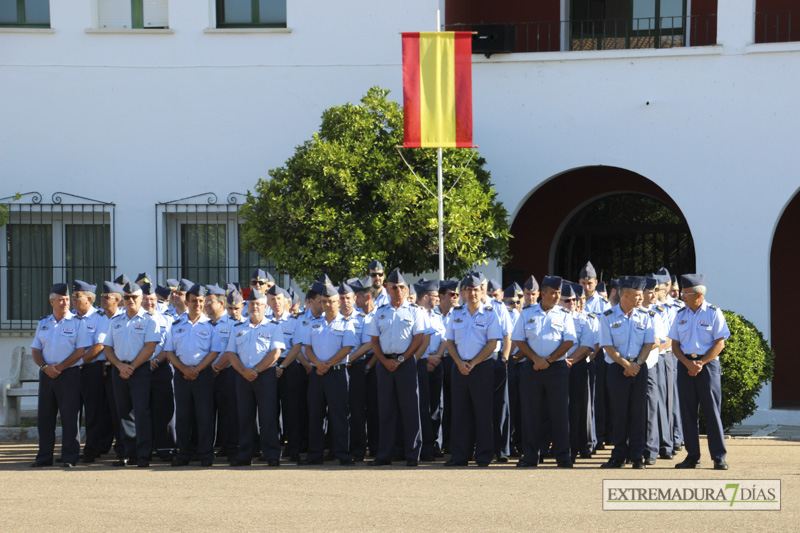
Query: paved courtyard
point(97, 497)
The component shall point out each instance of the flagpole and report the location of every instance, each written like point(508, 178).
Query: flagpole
point(439, 182)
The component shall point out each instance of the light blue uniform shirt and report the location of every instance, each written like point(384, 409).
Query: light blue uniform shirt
point(128, 336)
point(288, 324)
point(357, 320)
point(436, 330)
point(192, 342)
point(396, 327)
point(504, 318)
point(327, 339)
point(162, 307)
point(513, 315)
point(596, 305)
point(544, 331)
point(698, 331)
point(382, 299)
point(252, 342)
point(165, 324)
point(626, 333)
point(224, 327)
point(97, 327)
point(107, 326)
point(302, 328)
point(472, 332)
point(59, 339)
point(584, 331)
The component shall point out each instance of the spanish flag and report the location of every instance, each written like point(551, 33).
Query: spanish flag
point(437, 89)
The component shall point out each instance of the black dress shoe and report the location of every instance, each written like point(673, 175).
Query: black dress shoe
point(438, 453)
point(600, 446)
point(526, 464)
point(649, 461)
point(41, 464)
point(613, 463)
point(89, 458)
point(142, 463)
point(313, 462)
point(586, 455)
point(178, 461)
point(273, 462)
point(689, 462)
point(502, 459)
point(564, 464)
point(482, 464)
point(677, 448)
point(294, 457)
point(720, 464)
point(455, 463)
point(638, 464)
point(665, 455)
point(123, 461)
point(379, 462)
point(68, 464)
point(412, 462)
point(347, 462)
point(427, 458)
point(206, 463)
point(222, 453)
point(240, 462)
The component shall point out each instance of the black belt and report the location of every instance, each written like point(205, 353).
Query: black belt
point(336, 367)
point(127, 362)
point(693, 356)
point(392, 355)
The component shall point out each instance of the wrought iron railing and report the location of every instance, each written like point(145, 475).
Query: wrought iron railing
point(778, 26)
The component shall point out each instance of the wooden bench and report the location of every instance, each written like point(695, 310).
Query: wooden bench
point(23, 370)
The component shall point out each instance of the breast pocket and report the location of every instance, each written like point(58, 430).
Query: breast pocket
point(533, 329)
point(459, 331)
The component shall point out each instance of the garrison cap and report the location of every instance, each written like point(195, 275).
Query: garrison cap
point(355, 284)
point(316, 288)
point(427, 285)
point(577, 288)
point(344, 288)
point(554, 282)
point(396, 277)
point(275, 291)
point(197, 290)
point(111, 287)
point(122, 279)
point(329, 291)
point(510, 292)
point(650, 282)
point(173, 283)
point(531, 284)
point(185, 284)
point(61, 289)
point(601, 287)
point(662, 271)
point(674, 278)
point(234, 298)
point(255, 295)
point(148, 288)
point(131, 288)
point(614, 283)
point(449, 285)
point(636, 283)
point(517, 288)
point(215, 290)
point(260, 275)
point(479, 275)
point(143, 278)
point(412, 288)
point(375, 265)
point(472, 280)
point(79, 285)
point(293, 295)
point(325, 280)
point(493, 285)
point(566, 290)
point(588, 271)
point(692, 280)
point(230, 287)
point(162, 291)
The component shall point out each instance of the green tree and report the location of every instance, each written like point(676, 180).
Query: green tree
point(345, 197)
point(4, 209)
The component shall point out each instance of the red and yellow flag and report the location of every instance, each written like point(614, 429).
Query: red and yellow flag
point(437, 89)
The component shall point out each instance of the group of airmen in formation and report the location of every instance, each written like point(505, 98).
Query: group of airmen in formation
point(377, 367)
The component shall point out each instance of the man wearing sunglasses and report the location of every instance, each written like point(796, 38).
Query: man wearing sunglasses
point(110, 301)
point(262, 281)
point(376, 274)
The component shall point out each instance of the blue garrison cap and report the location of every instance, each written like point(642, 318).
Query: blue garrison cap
point(122, 279)
point(674, 278)
point(234, 298)
point(260, 275)
point(601, 287)
point(344, 288)
point(566, 290)
point(355, 284)
point(692, 280)
point(448, 285)
point(375, 265)
point(79, 285)
point(215, 290)
point(255, 295)
point(110, 286)
point(396, 277)
point(662, 271)
point(185, 284)
point(325, 280)
point(131, 288)
point(577, 288)
point(412, 289)
point(636, 283)
point(552, 282)
point(162, 291)
point(275, 291)
point(493, 285)
point(427, 285)
point(148, 288)
point(329, 291)
point(479, 275)
point(173, 283)
point(531, 284)
point(143, 278)
point(471, 280)
point(317, 288)
point(197, 290)
point(293, 295)
point(614, 283)
point(230, 287)
point(510, 292)
point(650, 282)
point(517, 288)
point(61, 289)
point(588, 271)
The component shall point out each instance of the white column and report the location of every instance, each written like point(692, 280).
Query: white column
point(735, 24)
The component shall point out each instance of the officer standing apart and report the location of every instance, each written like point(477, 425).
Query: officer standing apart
point(59, 343)
point(253, 350)
point(396, 334)
point(699, 331)
point(627, 336)
point(472, 336)
point(544, 333)
point(130, 344)
point(189, 349)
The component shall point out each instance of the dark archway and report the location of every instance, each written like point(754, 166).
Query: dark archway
point(621, 221)
point(784, 258)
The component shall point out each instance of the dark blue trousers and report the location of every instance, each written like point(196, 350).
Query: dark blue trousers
point(330, 389)
point(665, 374)
point(501, 422)
point(133, 405)
point(704, 389)
point(261, 394)
point(628, 397)
point(373, 412)
point(652, 437)
point(426, 426)
point(293, 388)
point(195, 401)
point(447, 401)
point(358, 408)
point(435, 382)
point(580, 423)
point(93, 392)
point(398, 396)
point(472, 413)
point(544, 395)
point(226, 411)
point(112, 425)
point(162, 407)
point(603, 425)
point(515, 417)
point(59, 395)
point(677, 423)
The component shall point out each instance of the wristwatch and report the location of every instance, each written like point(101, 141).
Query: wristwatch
point(256, 369)
point(281, 366)
point(400, 358)
point(43, 367)
point(639, 362)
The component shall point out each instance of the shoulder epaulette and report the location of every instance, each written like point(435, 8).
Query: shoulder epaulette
point(176, 322)
point(437, 312)
point(362, 314)
point(488, 307)
point(681, 309)
point(239, 324)
point(274, 321)
point(660, 308)
point(294, 315)
point(679, 301)
point(459, 306)
point(604, 299)
point(346, 319)
point(652, 313)
point(608, 312)
point(414, 305)
point(526, 306)
point(713, 307)
point(591, 315)
point(565, 309)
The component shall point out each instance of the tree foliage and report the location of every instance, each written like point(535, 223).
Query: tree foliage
point(345, 197)
point(4, 208)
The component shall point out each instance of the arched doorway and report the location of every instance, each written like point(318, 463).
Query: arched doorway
point(784, 258)
point(621, 221)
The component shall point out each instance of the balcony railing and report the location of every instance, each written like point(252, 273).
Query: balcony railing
point(606, 34)
point(777, 26)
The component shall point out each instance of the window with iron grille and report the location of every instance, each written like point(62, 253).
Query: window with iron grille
point(25, 13)
point(132, 14)
point(198, 239)
point(47, 243)
point(251, 13)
